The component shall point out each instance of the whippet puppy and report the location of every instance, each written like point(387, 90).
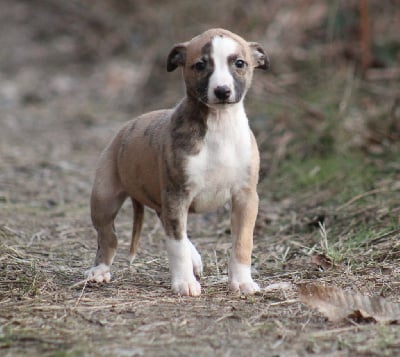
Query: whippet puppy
point(192, 158)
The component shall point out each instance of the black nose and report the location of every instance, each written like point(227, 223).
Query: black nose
point(222, 92)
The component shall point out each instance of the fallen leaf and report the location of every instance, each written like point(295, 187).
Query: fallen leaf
point(337, 304)
point(321, 261)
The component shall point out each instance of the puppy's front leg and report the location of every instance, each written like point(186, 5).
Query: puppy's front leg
point(244, 213)
point(182, 255)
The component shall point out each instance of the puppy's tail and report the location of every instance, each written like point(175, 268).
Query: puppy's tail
point(138, 212)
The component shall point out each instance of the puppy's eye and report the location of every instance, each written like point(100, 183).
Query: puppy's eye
point(240, 63)
point(200, 66)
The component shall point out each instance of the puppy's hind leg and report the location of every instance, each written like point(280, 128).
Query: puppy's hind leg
point(138, 212)
point(106, 200)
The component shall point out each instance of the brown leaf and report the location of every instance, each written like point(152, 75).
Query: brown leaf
point(337, 304)
point(321, 261)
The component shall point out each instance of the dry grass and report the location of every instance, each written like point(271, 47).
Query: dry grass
point(330, 186)
point(47, 309)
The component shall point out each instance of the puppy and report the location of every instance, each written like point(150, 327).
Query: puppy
point(190, 159)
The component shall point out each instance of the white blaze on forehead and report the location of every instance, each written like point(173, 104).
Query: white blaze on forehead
point(221, 48)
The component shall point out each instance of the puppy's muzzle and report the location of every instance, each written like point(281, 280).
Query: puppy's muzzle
point(222, 93)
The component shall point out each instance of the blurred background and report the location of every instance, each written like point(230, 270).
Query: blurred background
point(333, 83)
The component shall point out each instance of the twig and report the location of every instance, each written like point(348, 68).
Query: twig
point(224, 317)
point(291, 301)
point(381, 237)
point(81, 294)
point(83, 281)
point(335, 331)
point(362, 195)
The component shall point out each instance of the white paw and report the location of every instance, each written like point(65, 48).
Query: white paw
point(186, 288)
point(245, 287)
point(100, 273)
point(184, 261)
point(240, 279)
point(196, 261)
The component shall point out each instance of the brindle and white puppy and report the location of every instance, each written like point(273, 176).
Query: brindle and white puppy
point(193, 158)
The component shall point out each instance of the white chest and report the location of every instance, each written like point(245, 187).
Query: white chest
point(222, 165)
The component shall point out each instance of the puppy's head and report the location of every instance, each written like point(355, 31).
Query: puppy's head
point(217, 66)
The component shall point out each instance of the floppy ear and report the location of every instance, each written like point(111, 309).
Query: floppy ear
point(260, 58)
point(176, 57)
